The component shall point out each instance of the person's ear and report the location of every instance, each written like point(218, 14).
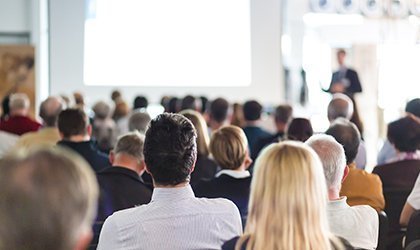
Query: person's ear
point(89, 130)
point(84, 240)
point(141, 166)
point(346, 172)
point(146, 168)
point(111, 157)
point(61, 135)
point(248, 161)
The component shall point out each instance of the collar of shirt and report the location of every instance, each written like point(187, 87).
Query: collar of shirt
point(170, 194)
point(338, 204)
point(402, 156)
point(234, 174)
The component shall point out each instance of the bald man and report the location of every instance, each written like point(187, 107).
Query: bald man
point(48, 134)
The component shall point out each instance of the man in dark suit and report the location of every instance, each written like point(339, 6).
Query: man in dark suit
point(120, 185)
point(75, 131)
point(345, 80)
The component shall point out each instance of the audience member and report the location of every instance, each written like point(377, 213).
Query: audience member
point(282, 116)
point(79, 100)
point(19, 122)
point(357, 224)
point(140, 102)
point(275, 221)
point(164, 102)
point(402, 171)
point(388, 151)
point(104, 129)
point(120, 116)
point(237, 118)
point(412, 204)
point(121, 186)
point(205, 168)
point(48, 135)
point(5, 108)
point(48, 201)
point(203, 104)
point(229, 148)
point(341, 106)
point(173, 105)
point(218, 112)
point(75, 132)
point(252, 114)
point(116, 95)
point(299, 129)
point(175, 219)
point(360, 187)
point(139, 120)
point(189, 102)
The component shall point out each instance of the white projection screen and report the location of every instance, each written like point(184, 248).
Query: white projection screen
point(167, 43)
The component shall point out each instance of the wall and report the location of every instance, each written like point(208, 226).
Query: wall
point(14, 16)
point(66, 60)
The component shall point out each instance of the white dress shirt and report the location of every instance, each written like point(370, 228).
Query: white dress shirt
point(174, 219)
point(414, 197)
point(359, 225)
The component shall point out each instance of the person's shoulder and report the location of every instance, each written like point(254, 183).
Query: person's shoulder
point(218, 205)
point(365, 212)
point(129, 215)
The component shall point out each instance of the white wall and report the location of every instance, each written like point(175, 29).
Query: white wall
point(66, 41)
point(14, 16)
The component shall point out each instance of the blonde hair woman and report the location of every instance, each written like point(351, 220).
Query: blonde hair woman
point(205, 167)
point(229, 148)
point(287, 208)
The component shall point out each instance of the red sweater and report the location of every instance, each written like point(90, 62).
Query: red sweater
point(19, 125)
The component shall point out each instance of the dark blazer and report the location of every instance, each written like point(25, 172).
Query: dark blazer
point(120, 188)
point(89, 151)
point(225, 186)
point(400, 174)
point(230, 245)
point(264, 142)
point(351, 75)
point(253, 134)
point(205, 168)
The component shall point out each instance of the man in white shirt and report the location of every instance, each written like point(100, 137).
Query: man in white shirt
point(175, 218)
point(358, 224)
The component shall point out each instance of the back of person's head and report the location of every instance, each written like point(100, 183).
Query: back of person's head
point(130, 144)
point(203, 103)
point(102, 110)
point(277, 221)
point(116, 95)
point(252, 110)
point(283, 113)
point(188, 102)
point(229, 147)
point(404, 133)
point(218, 110)
point(50, 109)
point(49, 200)
point(140, 102)
point(413, 107)
point(201, 129)
point(340, 106)
point(79, 99)
point(72, 122)
point(121, 110)
point(18, 101)
point(139, 120)
point(237, 115)
point(170, 149)
point(331, 153)
point(173, 105)
point(346, 133)
point(299, 129)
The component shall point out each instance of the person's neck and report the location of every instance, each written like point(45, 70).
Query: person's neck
point(79, 138)
point(19, 112)
point(281, 127)
point(215, 125)
point(333, 194)
point(183, 184)
point(252, 123)
point(126, 162)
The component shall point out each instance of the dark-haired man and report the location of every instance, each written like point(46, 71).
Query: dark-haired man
point(75, 131)
point(174, 219)
point(218, 113)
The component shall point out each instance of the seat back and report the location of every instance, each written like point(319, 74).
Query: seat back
point(383, 231)
point(413, 228)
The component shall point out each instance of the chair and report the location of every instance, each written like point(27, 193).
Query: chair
point(394, 203)
point(383, 231)
point(414, 245)
point(413, 228)
point(97, 227)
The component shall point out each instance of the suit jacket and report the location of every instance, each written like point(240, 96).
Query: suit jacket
point(254, 134)
point(89, 151)
point(225, 186)
point(398, 175)
point(205, 168)
point(264, 142)
point(352, 77)
point(120, 188)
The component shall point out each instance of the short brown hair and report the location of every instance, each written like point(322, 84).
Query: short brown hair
point(229, 146)
point(72, 122)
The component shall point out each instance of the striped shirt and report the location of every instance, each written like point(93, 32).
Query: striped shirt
point(174, 219)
